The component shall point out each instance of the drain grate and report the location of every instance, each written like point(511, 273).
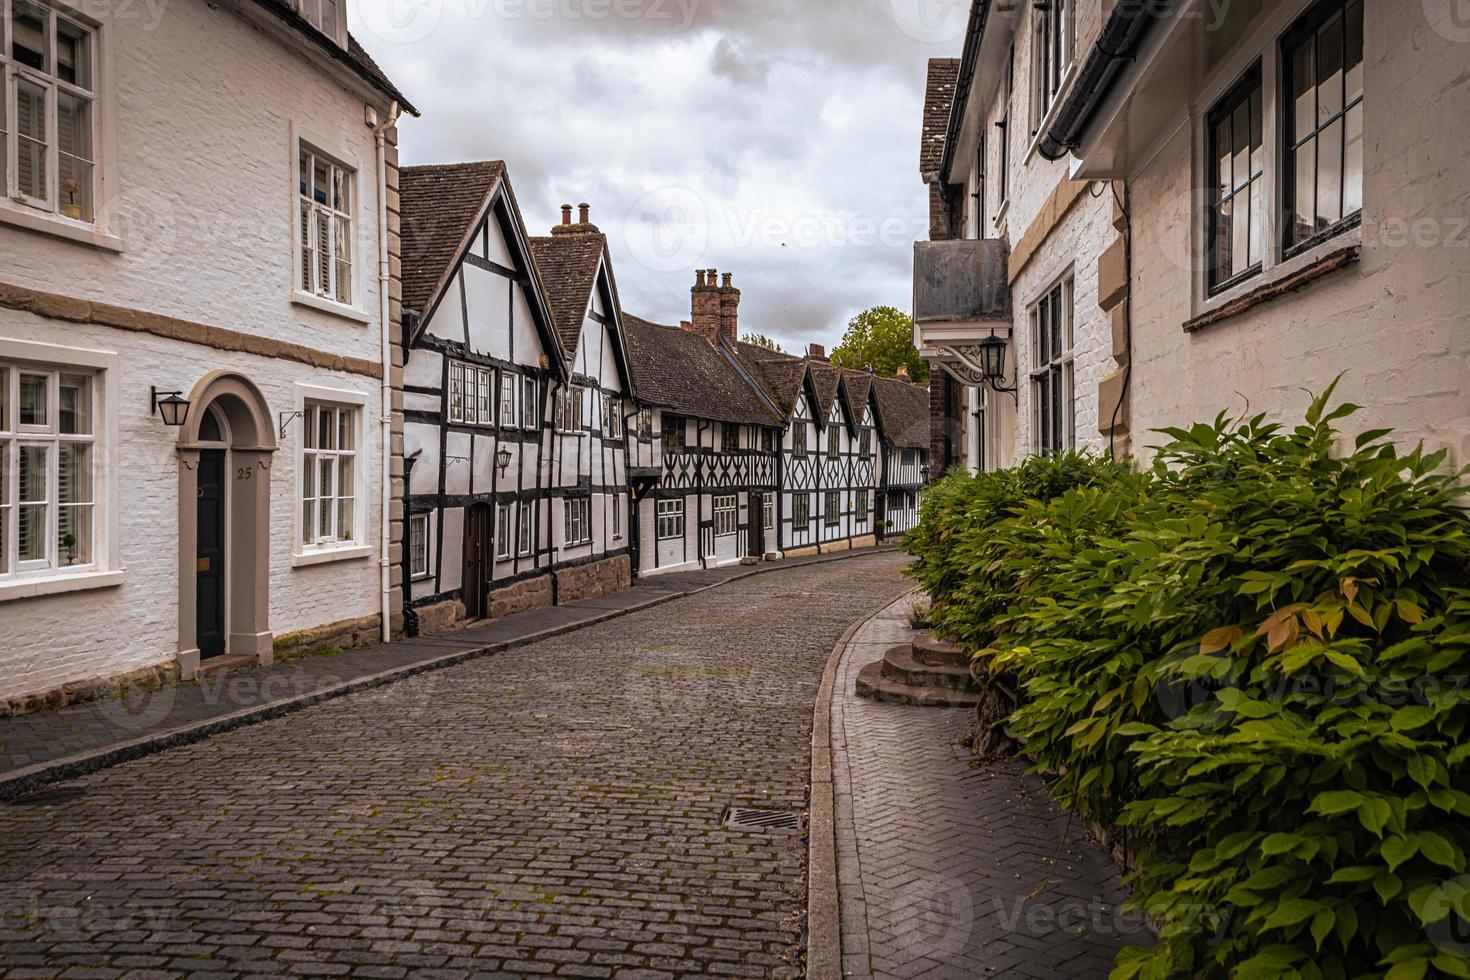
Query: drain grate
point(739, 818)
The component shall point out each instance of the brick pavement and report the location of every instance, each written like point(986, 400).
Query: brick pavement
point(946, 867)
point(82, 737)
point(552, 810)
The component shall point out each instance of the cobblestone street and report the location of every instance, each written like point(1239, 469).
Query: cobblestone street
point(555, 809)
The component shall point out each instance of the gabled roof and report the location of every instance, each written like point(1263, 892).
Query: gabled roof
point(680, 371)
point(780, 375)
point(903, 412)
point(438, 206)
point(856, 386)
point(568, 266)
point(824, 381)
point(939, 95)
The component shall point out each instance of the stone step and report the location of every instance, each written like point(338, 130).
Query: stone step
point(929, 649)
point(901, 665)
point(875, 686)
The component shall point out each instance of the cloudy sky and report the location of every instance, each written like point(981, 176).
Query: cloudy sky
point(773, 139)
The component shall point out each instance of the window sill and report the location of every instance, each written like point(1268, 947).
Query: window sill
point(323, 305)
point(1282, 280)
point(58, 227)
point(326, 555)
point(59, 584)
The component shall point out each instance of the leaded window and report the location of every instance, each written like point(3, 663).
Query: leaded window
point(578, 520)
point(1052, 404)
point(670, 519)
point(727, 515)
point(833, 508)
point(1234, 231)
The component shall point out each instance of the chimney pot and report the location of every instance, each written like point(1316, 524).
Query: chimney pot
point(728, 278)
point(816, 352)
point(585, 212)
point(686, 325)
point(566, 214)
point(903, 372)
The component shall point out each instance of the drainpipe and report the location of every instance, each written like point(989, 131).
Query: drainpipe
point(380, 140)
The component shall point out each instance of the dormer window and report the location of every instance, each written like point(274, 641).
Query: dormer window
point(325, 16)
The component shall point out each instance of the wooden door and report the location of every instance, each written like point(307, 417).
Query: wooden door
point(476, 560)
point(209, 584)
point(757, 544)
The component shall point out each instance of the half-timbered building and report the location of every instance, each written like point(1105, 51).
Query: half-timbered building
point(482, 359)
point(588, 494)
point(901, 409)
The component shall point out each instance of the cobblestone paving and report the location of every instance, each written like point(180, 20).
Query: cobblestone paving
point(553, 810)
point(951, 869)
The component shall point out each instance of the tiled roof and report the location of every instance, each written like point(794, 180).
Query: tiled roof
point(944, 74)
point(824, 383)
point(858, 384)
point(354, 57)
point(903, 412)
point(680, 371)
point(437, 205)
point(369, 69)
point(568, 266)
point(779, 375)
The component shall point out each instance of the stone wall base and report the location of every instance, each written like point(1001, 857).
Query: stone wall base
point(342, 635)
point(594, 579)
point(147, 679)
point(805, 552)
point(441, 617)
point(531, 593)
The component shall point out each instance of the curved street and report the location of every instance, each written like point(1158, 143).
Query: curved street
point(555, 809)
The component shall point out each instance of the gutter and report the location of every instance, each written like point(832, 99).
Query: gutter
point(979, 13)
point(1115, 49)
point(385, 276)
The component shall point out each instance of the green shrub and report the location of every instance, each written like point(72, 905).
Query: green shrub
point(1252, 656)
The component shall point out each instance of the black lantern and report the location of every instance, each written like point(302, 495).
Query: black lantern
point(172, 406)
point(993, 364)
point(502, 459)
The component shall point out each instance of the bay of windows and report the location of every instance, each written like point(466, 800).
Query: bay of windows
point(325, 227)
point(329, 474)
point(48, 121)
point(727, 515)
point(670, 519)
point(1052, 406)
point(47, 469)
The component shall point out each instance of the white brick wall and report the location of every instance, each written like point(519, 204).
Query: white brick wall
point(201, 111)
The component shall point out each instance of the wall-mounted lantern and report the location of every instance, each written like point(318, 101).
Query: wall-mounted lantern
point(171, 405)
point(993, 364)
point(502, 459)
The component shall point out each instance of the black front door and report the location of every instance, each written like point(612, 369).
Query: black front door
point(476, 560)
point(757, 545)
point(210, 561)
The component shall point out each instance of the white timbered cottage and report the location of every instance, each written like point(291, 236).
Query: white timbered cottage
point(703, 454)
point(482, 356)
point(901, 409)
point(589, 489)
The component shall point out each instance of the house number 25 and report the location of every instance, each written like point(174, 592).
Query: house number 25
point(244, 472)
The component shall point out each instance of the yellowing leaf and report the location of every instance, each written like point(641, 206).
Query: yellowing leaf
point(1220, 638)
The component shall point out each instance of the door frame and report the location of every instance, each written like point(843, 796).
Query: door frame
point(755, 540)
point(472, 515)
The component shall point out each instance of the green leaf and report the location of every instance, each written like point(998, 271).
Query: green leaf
point(1396, 850)
point(1332, 802)
point(1292, 911)
point(1410, 969)
point(1356, 873)
point(1322, 924)
point(1440, 851)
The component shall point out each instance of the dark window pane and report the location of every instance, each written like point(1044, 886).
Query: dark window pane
point(1241, 126)
point(1304, 190)
point(1221, 156)
point(1223, 237)
point(1329, 69)
point(1240, 248)
point(1257, 139)
point(1353, 60)
point(1056, 324)
point(1352, 171)
point(1329, 175)
point(1303, 91)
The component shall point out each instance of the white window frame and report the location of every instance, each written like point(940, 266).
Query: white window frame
point(314, 13)
point(418, 546)
point(645, 424)
point(617, 517)
point(530, 402)
point(525, 538)
point(669, 520)
point(503, 514)
point(727, 515)
point(12, 73)
point(1053, 51)
point(471, 395)
point(577, 521)
point(768, 511)
point(568, 416)
point(861, 506)
point(1057, 370)
point(342, 226)
point(103, 571)
point(612, 418)
point(310, 401)
point(506, 409)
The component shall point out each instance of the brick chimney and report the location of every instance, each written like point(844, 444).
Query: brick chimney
point(816, 352)
point(705, 301)
point(729, 310)
point(583, 226)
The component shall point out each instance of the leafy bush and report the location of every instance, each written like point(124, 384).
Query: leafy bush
point(1253, 656)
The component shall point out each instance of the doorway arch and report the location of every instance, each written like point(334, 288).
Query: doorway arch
point(229, 431)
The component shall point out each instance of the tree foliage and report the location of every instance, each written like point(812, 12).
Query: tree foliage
point(761, 340)
point(1253, 657)
point(882, 338)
